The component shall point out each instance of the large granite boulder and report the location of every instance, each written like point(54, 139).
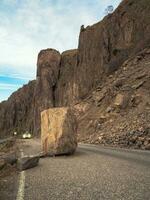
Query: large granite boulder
point(58, 131)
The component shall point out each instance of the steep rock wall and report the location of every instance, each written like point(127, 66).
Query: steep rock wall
point(104, 46)
point(48, 65)
point(66, 91)
point(68, 78)
point(17, 112)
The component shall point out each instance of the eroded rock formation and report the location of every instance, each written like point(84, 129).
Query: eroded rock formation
point(48, 65)
point(66, 91)
point(73, 76)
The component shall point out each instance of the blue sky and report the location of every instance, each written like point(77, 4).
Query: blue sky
point(27, 26)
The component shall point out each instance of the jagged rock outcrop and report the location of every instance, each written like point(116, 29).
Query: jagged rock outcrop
point(104, 46)
point(66, 92)
point(48, 65)
point(22, 110)
point(117, 112)
point(73, 77)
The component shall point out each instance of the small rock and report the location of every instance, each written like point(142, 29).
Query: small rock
point(109, 109)
point(121, 101)
point(138, 85)
point(100, 137)
point(27, 162)
point(134, 138)
point(143, 147)
point(147, 139)
point(147, 51)
point(98, 97)
point(140, 76)
point(119, 83)
point(97, 124)
point(141, 129)
point(146, 143)
point(141, 139)
point(139, 143)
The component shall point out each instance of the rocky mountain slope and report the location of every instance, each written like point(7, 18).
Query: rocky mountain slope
point(17, 112)
point(117, 112)
point(86, 78)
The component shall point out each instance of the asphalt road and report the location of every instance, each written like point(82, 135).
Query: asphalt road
point(93, 173)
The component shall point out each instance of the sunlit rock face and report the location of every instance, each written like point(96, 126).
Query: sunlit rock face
point(104, 46)
point(58, 131)
point(66, 91)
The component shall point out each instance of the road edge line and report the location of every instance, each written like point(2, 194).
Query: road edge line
point(20, 194)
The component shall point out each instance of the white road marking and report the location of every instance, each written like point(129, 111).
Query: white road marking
point(20, 194)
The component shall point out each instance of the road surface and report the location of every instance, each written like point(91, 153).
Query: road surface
point(93, 173)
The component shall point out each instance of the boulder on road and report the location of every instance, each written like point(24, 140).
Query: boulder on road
point(27, 162)
point(58, 131)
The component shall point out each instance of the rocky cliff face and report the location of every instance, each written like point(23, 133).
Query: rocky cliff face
point(117, 112)
point(104, 46)
point(48, 65)
point(66, 91)
point(71, 77)
point(17, 112)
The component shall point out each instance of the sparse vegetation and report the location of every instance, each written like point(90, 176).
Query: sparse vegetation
point(109, 10)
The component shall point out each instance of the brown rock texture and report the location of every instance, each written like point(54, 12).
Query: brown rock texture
point(66, 92)
point(17, 112)
point(121, 117)
point(104, 46)
point(27, 162)
point(48, 65)
point(92, 78)
point(58, 131)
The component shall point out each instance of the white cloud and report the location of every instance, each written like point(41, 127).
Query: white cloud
point(28, 26)
point(33, 25)
point(33, 28)
point(5, 86)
